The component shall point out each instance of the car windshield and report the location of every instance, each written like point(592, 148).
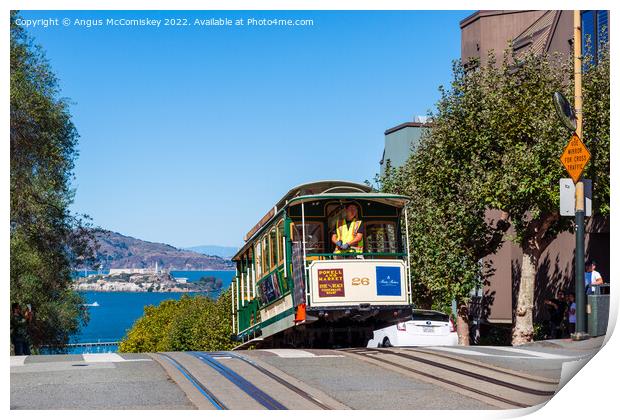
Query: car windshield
point(429, 316)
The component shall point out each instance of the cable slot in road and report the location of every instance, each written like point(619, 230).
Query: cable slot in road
point(250, 389)
point(276, 378)
point(199, 385)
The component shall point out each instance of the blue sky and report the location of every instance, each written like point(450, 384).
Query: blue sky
point(190, 134)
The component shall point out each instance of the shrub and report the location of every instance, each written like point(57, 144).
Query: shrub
point(191, 323)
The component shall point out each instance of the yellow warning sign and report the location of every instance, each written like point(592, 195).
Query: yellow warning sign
point(575, 157)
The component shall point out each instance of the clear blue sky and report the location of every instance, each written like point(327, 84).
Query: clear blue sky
point(190, 134)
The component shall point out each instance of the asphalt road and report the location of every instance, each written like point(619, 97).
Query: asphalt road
point(414, 378)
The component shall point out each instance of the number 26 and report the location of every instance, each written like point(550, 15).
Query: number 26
point(356, 281)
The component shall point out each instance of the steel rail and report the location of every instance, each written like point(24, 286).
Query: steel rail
point(440, 379)
point(199, 385)
point(250, 389)
point(474, 375)
point(483, 366)
point(276, 378)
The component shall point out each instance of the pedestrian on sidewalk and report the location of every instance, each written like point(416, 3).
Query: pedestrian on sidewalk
point(557, 308)
point(592, 278)
point(19, 329)
point(572, 313)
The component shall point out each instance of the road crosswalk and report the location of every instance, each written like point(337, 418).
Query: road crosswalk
point(517, 353)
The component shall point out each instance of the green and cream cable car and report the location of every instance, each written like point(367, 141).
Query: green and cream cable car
point(292, 287)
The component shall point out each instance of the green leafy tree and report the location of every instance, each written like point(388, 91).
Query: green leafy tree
point(191, 323)
point(495, 145)
point(447, 230)
point(46, 240)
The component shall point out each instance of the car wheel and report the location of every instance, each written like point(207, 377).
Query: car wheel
point(386, 342)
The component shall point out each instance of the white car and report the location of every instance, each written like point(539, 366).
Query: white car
point(426, 328)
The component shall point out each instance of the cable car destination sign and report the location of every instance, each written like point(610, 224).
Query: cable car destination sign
point(575, 157)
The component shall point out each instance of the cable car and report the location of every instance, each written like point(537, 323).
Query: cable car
point(294, 285)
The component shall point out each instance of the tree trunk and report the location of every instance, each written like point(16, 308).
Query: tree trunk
point(462, 325)
point(523, 331)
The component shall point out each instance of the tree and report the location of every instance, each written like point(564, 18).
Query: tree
point(45, 238)
point(495, 144)
point(191, 323)
point(447, 229)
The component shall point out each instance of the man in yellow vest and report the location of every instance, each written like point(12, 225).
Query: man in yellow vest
point(349, 236)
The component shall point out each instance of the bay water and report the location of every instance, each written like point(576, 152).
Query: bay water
point(112, 314)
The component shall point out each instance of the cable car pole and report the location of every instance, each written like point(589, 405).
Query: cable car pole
point(580, 296)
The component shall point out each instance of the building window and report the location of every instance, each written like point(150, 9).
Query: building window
point(594, 34)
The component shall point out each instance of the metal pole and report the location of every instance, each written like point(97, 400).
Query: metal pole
point(408, 288)
point(303, 234)
point(232, 297)
point(580, 296)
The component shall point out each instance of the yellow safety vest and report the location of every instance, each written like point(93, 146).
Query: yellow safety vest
point(346, 234)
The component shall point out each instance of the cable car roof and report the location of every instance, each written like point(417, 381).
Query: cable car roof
point(323, 190)
point(322, 187)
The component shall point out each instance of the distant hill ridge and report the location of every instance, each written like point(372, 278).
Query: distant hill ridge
point(120, 251)
point(221, 251)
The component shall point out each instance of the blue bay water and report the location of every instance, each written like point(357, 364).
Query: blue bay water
point(117, 311)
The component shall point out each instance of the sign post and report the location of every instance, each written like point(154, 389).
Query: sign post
point(575, 157)
point(579, 158)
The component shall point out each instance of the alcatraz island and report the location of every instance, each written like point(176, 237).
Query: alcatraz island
point(121, 280)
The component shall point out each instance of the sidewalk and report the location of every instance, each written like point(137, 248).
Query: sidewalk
point(593, 344)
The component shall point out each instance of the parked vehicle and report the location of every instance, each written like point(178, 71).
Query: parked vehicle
point(425, 328)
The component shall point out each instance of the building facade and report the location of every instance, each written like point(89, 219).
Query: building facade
point(400, 142)
point(542, 32)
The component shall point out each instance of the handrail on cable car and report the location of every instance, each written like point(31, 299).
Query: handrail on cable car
point(340, 186)
point(363, 254)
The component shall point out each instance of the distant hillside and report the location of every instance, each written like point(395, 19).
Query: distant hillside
point(220, 251)
point(120, 251)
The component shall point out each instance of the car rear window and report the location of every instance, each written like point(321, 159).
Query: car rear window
point(429, 316)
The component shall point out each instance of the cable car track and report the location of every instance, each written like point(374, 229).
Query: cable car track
point(250, 389)
point(195, 382)
point(276, 378)
point(483, 366)
point(477, 391)
point(474, 375)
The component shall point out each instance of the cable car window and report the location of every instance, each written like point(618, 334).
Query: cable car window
point(273, 249)
point(381, 237)
point(258, 261)
point(315, 243)
point(265, 247)
point(280, 230)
